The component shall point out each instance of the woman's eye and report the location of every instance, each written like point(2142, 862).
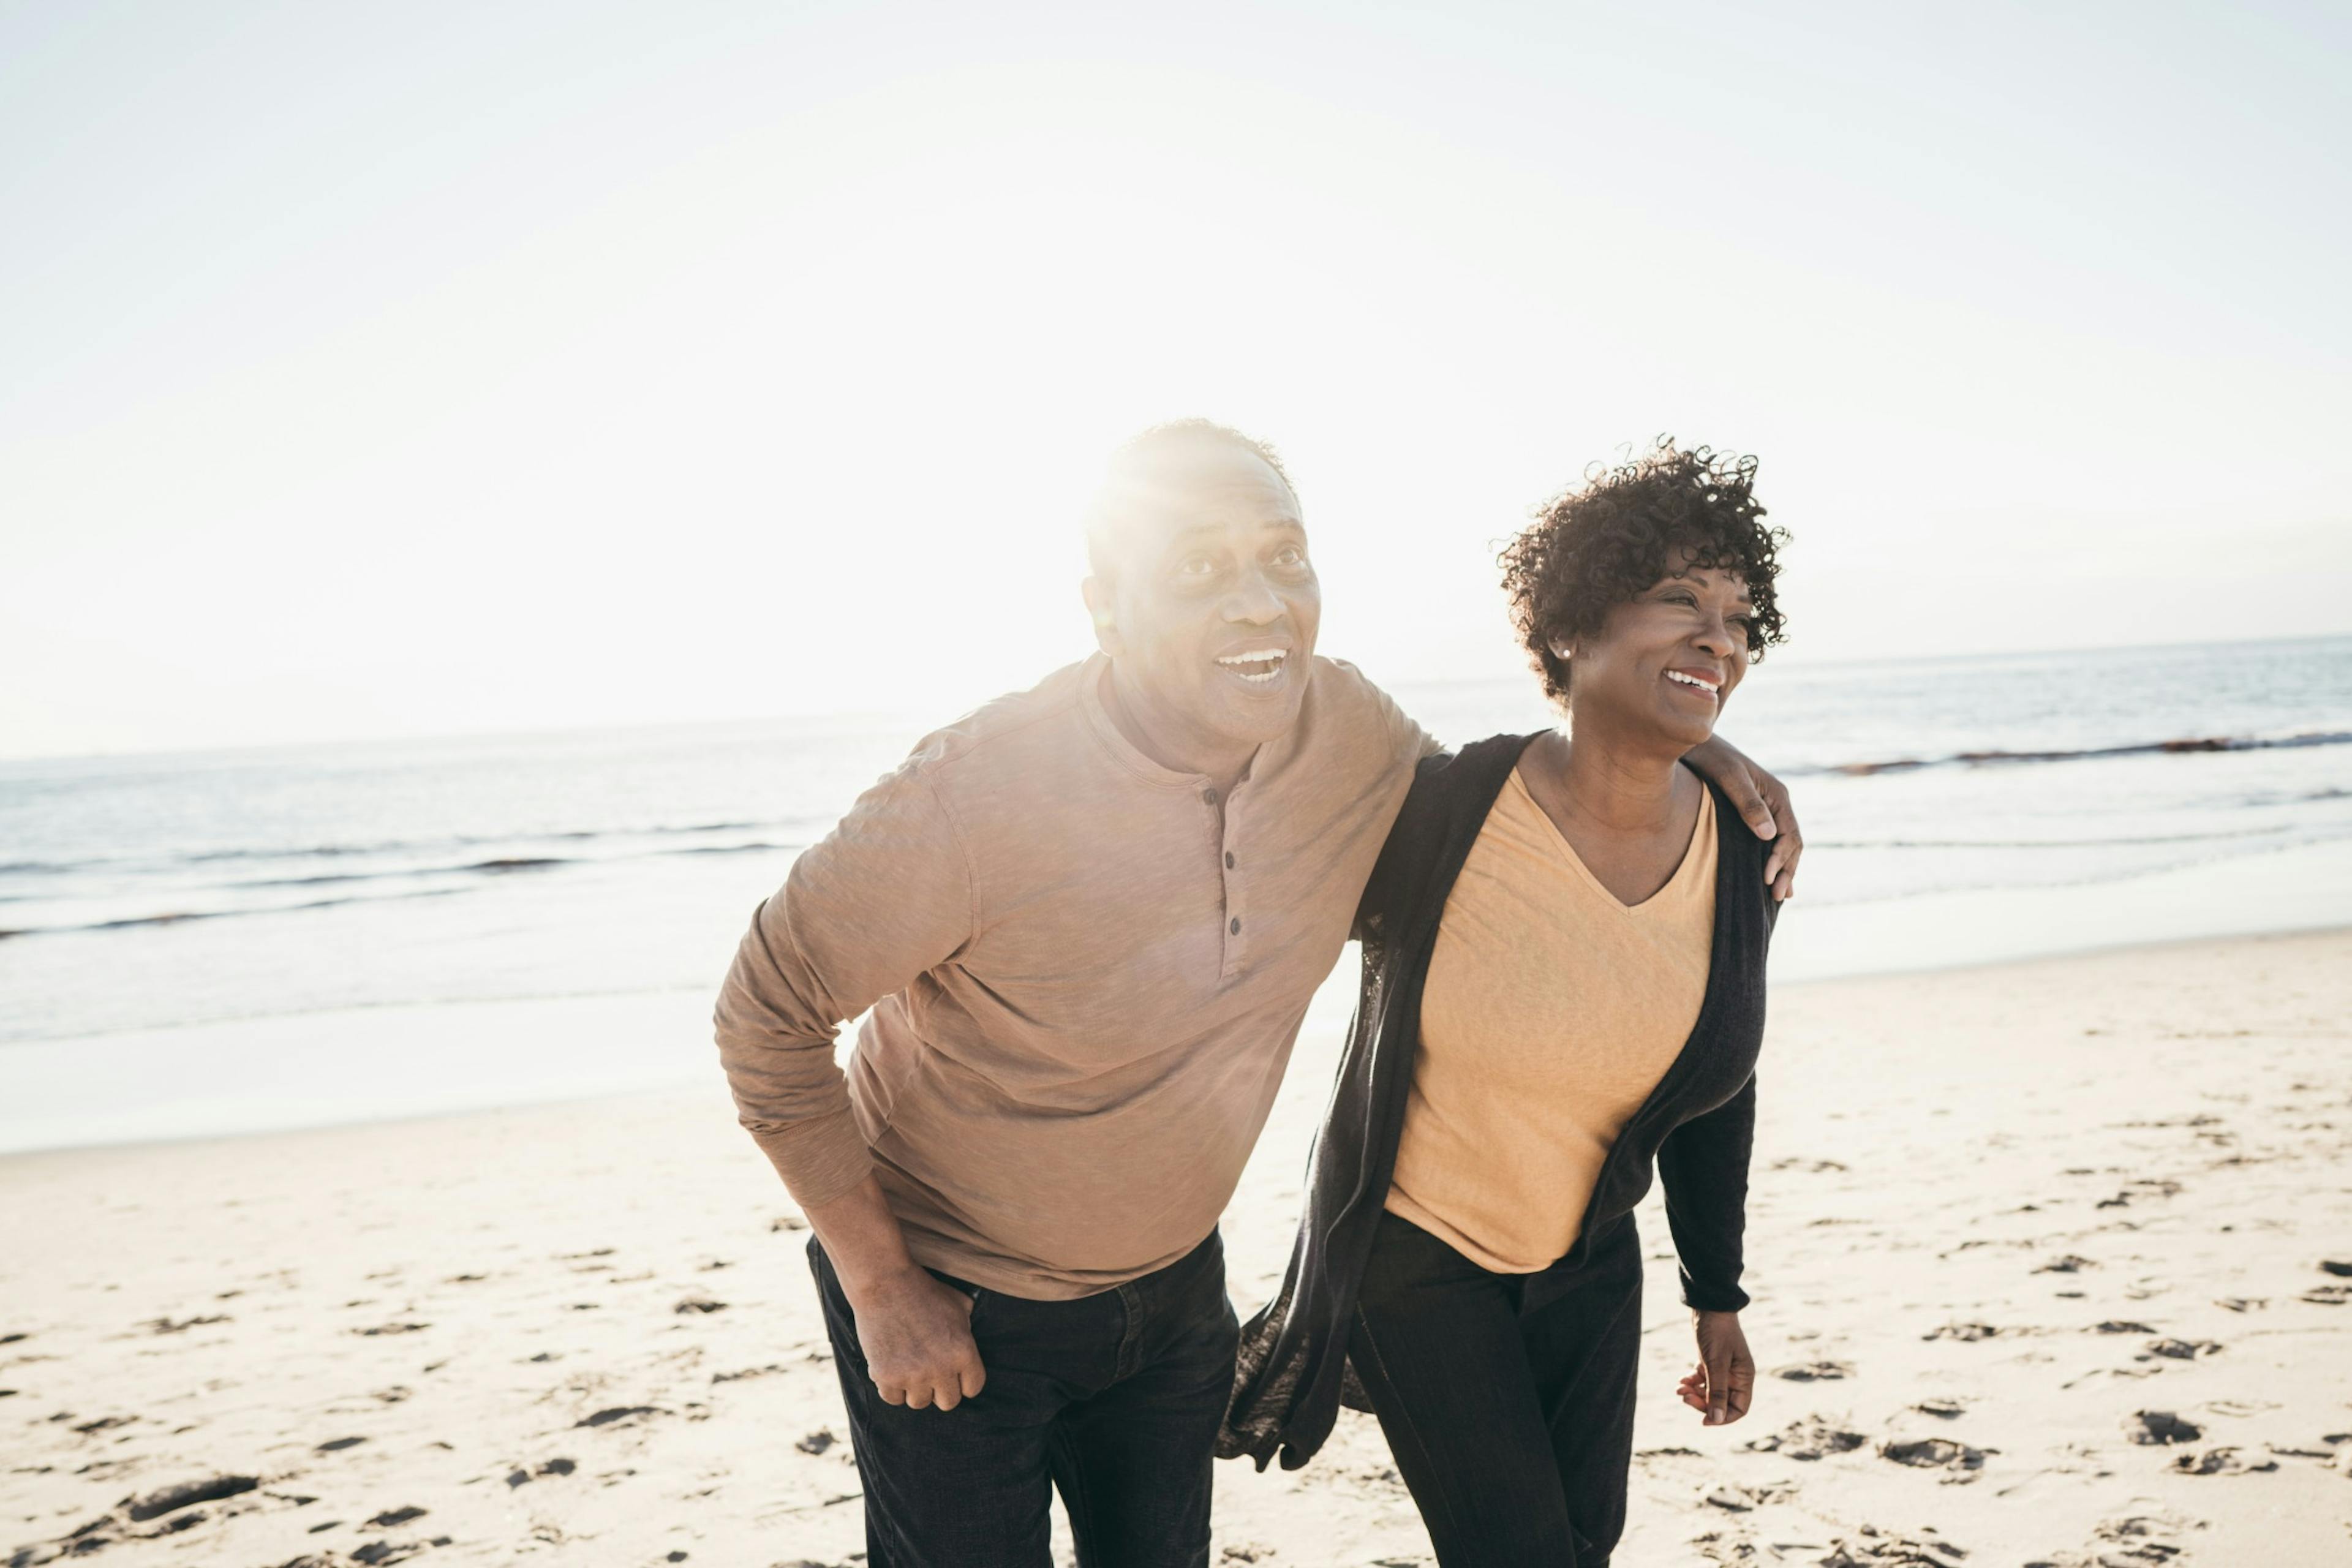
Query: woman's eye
point(1195, 567)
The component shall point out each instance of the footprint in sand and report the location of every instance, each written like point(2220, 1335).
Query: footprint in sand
point(2183, 1350)
point(1876, 1548)
point(1811, 1438)
point(1815, 1371)
point(615, 1415)
point(1933, 1454)
point(2222, 1462)
point(1942, 1410)
point(546, 1468)
point(1967, 1333)
point(2138, 1541)
point(2156, 1428)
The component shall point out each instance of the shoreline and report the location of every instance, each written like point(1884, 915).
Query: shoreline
point(1995, 1213)
point(267, 1074)
point(1331, 1007)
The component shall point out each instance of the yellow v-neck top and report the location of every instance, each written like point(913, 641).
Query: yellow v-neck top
point(1551, 1012)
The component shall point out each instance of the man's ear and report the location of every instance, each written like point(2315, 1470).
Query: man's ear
point(1098, 606)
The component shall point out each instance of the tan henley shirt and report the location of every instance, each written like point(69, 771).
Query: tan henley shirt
point(1086, 973)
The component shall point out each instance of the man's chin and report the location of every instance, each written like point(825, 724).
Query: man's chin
point(1245, 721)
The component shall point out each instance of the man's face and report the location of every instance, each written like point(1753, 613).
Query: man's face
point(1212, 605)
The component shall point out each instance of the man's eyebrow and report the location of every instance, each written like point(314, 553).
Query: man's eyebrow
point(1192, 530)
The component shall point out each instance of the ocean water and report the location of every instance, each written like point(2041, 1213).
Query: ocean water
point(152, 893)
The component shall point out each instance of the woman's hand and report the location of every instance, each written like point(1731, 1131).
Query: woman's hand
point(1724, 1379)
point(1762, 802)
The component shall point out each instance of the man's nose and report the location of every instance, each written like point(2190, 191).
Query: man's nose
point(1253, 602)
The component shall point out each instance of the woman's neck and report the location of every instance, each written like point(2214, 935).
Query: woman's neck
point(1618, 788)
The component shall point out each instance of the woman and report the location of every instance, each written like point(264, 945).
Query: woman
point(1564, 946)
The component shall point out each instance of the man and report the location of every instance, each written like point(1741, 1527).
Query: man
point(1088, 919)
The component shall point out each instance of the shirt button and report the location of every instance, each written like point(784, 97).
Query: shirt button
point(1236, 926)
point(1229, 859)
point(1210, 795)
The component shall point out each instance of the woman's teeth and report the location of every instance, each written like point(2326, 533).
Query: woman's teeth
point(1691, 680)
point(1260, 667)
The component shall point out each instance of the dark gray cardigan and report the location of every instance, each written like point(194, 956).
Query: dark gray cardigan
point(1698, 1124)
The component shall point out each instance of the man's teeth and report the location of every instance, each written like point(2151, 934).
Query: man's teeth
point(1240, 663)
point(1690, 681)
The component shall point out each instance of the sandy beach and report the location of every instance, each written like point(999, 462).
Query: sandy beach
point(2052, 1265)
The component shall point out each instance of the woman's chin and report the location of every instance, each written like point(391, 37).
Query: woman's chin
point(1687, 735)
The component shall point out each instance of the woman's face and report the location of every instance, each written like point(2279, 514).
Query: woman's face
point(1665, 662)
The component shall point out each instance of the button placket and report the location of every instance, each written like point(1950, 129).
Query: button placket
point(1237, 924)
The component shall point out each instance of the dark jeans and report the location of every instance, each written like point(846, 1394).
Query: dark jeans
point(1114, 1398)
point(1512, 1424)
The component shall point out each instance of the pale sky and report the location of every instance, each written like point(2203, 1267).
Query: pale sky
point(415, 368)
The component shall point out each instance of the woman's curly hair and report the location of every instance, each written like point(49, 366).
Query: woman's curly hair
point(1603, 545)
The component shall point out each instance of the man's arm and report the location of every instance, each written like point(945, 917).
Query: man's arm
point(1763, 803)
point(886, 896)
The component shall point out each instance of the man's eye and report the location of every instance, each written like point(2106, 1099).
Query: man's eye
point(1290, 555)
point(1195, 567)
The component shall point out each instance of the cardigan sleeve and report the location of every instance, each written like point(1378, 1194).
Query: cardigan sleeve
point(1703, 1165)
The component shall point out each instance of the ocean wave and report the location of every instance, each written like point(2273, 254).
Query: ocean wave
point(2179, 746)
point(2119, 841)
point(476, 872)
point(188, 916)
point(410, 846)
point(416, 846)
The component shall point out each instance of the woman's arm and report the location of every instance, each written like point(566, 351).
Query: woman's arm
point(1703, 1165)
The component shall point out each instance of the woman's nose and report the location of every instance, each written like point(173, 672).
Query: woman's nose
point(1718, 638)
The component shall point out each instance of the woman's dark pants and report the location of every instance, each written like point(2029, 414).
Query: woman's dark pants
point(1511, 1421)
point(1114, 1398)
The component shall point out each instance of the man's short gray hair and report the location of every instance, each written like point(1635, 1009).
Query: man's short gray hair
point(1151, 463)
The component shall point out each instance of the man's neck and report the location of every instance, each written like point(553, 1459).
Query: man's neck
point(1169, 742)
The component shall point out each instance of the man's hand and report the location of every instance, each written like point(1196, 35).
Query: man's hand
point(915, 1332)
point(917, 1336)
point(1763, 803)
point(1724, 1379)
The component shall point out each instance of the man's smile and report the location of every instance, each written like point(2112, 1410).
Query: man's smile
point(1258, 666)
